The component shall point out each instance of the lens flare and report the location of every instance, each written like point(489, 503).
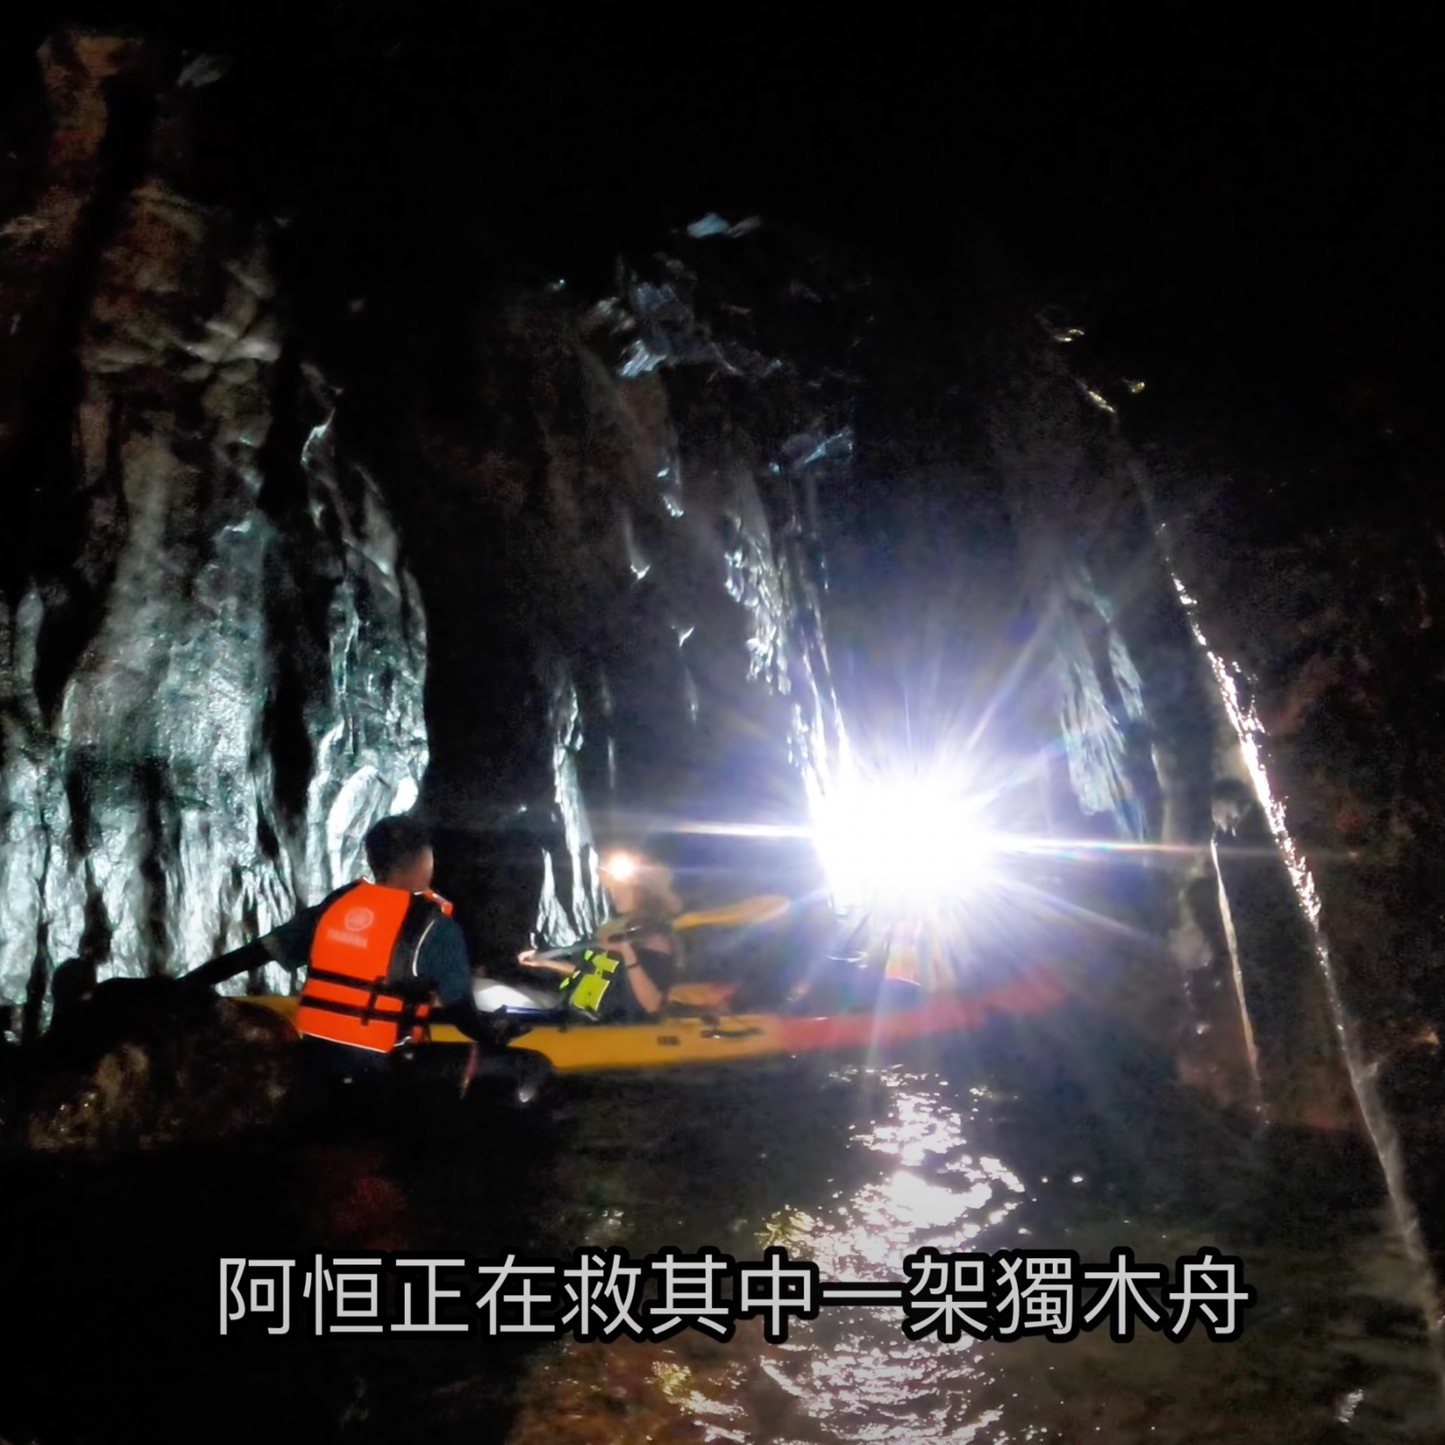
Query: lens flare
point(903, 844)
point(621, 866)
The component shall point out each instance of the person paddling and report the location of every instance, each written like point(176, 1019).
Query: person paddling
point(383, 960)
point(634, 957)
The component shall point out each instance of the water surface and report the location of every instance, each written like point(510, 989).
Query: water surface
point(1044, 1137)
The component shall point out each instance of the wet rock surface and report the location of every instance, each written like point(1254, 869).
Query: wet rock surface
point(218, 656)
point(1153, 746)
point(623, 594)
point(1245, 627)
point(213, 659)
point(148, 1064)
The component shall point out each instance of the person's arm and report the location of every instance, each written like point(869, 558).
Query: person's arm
point(528, 959)
point(647, 945)
point(645, 989)
point(443, 963)
point(290, 944)
point(240, 960)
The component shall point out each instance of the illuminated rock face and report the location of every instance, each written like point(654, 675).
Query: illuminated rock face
point(1250, 673)
point(262, 589)
point(1152, 752)
point(624, 605)
point(213, 658)
point(1315, 578)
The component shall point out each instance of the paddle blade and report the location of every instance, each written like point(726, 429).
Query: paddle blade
point(750, 910)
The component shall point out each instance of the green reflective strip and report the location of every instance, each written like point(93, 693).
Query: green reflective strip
point(589, 993)
point(588, 985)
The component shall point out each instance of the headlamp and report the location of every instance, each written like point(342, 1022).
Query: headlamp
point(620, 866)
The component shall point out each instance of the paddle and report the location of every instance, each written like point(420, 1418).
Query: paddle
point(762, 909)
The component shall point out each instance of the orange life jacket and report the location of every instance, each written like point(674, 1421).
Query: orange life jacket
point(362, 987)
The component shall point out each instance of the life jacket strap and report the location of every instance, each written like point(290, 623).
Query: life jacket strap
point(405, 990)
point(345, 980)
point(351, 1010)
point(413, 999)
point(410, 1019)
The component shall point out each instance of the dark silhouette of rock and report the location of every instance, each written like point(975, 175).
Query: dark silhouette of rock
point(71, 985)
point(150, 1063)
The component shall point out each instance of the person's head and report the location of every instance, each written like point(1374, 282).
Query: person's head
point(637, 882)
point(399, 853)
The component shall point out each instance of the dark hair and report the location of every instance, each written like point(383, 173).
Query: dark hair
point(394, 842)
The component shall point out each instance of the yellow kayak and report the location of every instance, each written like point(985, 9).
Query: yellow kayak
point(720, 1038)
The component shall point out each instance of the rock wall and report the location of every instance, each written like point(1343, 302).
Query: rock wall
point(1138, 725)
point(213, 656)
point(272, 574)
point(1250, 694)
point(1312, 568)
point(624, 594)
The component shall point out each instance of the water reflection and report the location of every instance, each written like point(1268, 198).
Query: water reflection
point(941, 1195)
point(896, 1159)
point(854, 1168)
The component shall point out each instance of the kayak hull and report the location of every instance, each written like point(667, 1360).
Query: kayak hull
point(688, 1039)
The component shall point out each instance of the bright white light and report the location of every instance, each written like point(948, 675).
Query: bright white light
point(903, 844)
point(620, 866)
